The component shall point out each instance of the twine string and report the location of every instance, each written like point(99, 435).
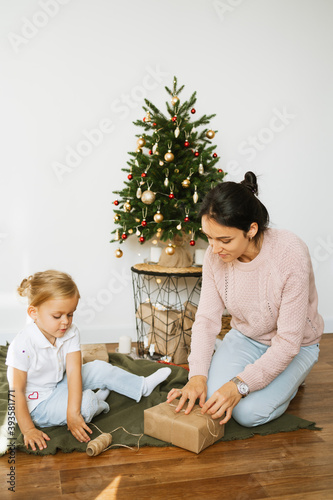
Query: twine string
point(119, 444)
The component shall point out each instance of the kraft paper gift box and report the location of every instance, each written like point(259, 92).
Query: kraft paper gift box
point(173, 345)
point(90, 352)
point(162, 319)
point(193, 432)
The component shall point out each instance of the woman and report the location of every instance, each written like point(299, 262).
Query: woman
point(264, 278)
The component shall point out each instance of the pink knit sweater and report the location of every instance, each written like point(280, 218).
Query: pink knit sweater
point(272, 299)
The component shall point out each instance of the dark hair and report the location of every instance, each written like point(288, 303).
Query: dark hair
point(235, 204)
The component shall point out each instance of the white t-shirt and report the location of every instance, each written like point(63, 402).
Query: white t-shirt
point(45, 364)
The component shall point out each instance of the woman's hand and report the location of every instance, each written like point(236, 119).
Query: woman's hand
point(77, 426)
point(35, 437)
point(194, 389)
point(222, 401)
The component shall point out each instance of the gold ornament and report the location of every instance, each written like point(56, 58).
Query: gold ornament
point(141, 142)
point(174, 100)
point(130, 231)
point(176, 170)
point(138, 150)
point(161, 163)
point(158, 217)
point(148, 197)
point(170, 249)
point(127, 206)
point(179, 226)
point(118, 253)
point(116, 218)
point(117, 235)
point(169, 156)
point(177, 132)
point(138, 192)
point(186, 183)
point(210, 134)
point(148, 117)
point(201, 169)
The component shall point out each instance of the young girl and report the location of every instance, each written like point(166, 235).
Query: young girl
point(45, 369)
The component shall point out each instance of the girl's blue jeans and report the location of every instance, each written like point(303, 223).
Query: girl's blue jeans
point(95, 375)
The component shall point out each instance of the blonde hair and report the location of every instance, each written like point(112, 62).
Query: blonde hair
point(47, 285)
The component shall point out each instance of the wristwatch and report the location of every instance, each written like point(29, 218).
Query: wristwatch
point(243, 389)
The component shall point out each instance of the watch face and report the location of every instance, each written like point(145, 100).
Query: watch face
point(243, 388)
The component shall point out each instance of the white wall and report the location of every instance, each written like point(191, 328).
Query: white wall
point(88, 64)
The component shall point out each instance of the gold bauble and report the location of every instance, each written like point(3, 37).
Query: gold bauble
point(201, 169)
point(118, 253)
point(130, 231)
point(127, 206)
point(148, 197)
point(210, 134)
point(158, 217)
point(169, 249)
point(169, 156)
point(186, 183)
point(138, 150)
point(176, 170)
point(141, 142)
point(116, 218)
point(174, 100)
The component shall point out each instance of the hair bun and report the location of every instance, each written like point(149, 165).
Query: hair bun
point(250, 181)
point(24, 286)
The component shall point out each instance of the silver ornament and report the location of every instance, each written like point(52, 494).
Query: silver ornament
point(138, 192)
point(148, 197)
point(201, 169)
point(177, 132)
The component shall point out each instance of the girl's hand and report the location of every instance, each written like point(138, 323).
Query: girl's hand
point(194, 389)
point(222, 401)
point(77, 426)
point(34, 436)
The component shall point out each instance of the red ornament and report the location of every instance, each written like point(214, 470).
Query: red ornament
point(171, 196)
point(174, 118)
point(142, 239)
point(130, 177)
point(150, 152)
point(192, 243)
point(116, 202)
point(220, 171)
point(196, 153)
point(214, 155)
point(124, 236)
point(154, 124)
point(144, 119)
point(186, 144)
point(187, 219)
point(144, 223)
point(144, 174)
point(193, 111)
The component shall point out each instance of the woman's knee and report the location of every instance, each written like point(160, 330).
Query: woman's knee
point(249, 413)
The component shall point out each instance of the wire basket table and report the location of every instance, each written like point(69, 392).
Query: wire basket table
point(166, 301)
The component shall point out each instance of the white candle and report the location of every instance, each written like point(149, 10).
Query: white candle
point(199, 256)
point(155, 254)
point(125, 344)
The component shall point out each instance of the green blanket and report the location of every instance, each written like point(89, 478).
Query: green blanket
point(126, 413)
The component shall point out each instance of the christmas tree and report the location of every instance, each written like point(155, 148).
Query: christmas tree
point(168, 175)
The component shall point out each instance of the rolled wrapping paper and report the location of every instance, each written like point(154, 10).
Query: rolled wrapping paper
point(96, 446)
point(155, 254)
point(125, 344)
point(199, 256)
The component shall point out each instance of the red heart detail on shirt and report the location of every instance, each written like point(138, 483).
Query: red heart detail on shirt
point(33, 395)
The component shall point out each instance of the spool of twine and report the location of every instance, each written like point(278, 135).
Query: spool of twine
point(99, 444)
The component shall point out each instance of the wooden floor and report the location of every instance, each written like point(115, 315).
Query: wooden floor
point(286, 466)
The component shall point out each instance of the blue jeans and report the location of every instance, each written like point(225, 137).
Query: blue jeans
point(237, 351)
point(95, 375)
